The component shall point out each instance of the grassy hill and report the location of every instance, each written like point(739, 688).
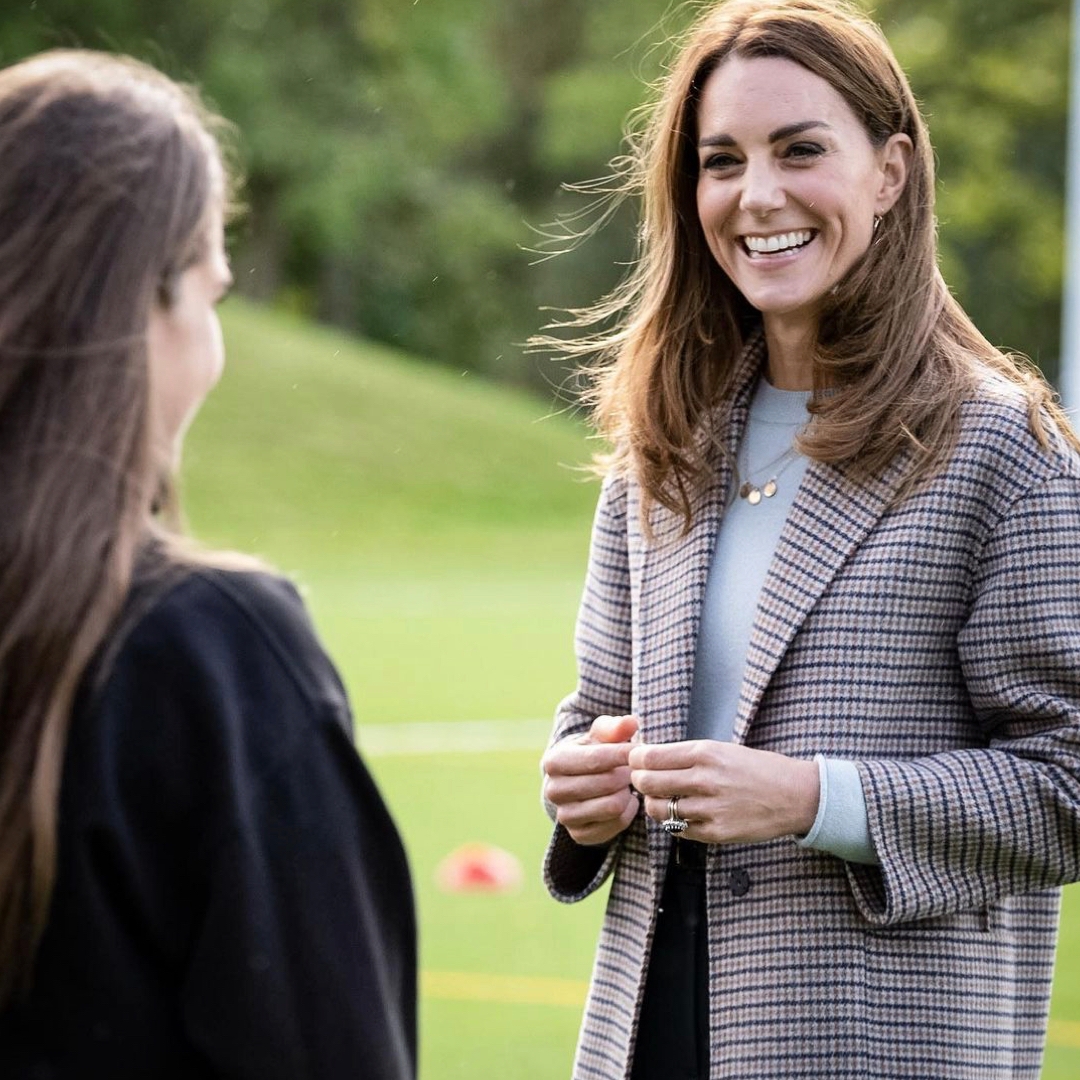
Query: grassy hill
point(437, 522)
point(316, 438)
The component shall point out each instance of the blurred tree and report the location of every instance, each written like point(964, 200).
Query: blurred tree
point(400, 155)
point(993, 79)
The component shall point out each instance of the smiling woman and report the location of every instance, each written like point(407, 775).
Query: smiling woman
point(826, 733)
point(788, 206)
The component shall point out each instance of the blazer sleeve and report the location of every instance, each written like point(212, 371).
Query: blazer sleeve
point(958, 830)
point(603, 643)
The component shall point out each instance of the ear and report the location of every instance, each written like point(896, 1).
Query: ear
point(895, 158)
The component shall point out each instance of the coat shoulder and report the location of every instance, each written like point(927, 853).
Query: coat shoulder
point(216, 615)
point(998, 439)
point(227, 650)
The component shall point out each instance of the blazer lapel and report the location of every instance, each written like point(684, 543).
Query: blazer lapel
point(673, 570)
point(667, 584)
point(831, 516)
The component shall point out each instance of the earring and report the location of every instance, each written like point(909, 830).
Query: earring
point(877, 221)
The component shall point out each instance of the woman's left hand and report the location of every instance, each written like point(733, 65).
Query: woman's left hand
point(727, 793)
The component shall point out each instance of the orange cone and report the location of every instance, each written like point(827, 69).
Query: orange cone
point(479, 867)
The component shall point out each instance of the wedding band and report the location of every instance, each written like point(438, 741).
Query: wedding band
point(674, 824)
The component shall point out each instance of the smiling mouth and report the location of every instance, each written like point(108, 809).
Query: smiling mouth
point(779, 244)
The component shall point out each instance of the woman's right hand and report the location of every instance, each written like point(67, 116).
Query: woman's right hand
point(587, 779)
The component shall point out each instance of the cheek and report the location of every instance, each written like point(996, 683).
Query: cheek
point(712, 207)
point(712, 211)
point(201, 357)
point(215, 352)
point(187, 357)
point(856, 212)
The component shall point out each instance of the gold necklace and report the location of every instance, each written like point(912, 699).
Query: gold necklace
point(753, 493)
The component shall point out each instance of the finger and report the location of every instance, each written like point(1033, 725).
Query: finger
point(596, 812)
point(573, 758)
point(667, 782)
point(677, 755)
point(660, 809)
point(612, 729)
point(633, 808)
point(598, 835)
point(567, 789)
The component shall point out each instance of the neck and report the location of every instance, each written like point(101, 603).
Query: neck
point(790, 346)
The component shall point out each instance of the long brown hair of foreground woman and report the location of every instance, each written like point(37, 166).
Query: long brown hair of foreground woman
point(198, 877)
point(107, 177)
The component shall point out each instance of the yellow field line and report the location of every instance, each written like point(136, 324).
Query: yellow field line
point(1064, 1033)
point(544, 990)
point(515, 989)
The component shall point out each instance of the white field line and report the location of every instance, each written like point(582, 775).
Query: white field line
point(452, 737)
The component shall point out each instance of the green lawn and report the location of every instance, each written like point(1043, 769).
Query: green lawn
point(439, 530)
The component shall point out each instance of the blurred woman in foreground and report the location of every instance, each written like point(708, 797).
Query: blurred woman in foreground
point(198, 877)
point(831, 628)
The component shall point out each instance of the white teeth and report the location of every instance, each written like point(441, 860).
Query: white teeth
point(763, 245)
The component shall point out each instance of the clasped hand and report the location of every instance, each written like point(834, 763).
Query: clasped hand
point(727, 793)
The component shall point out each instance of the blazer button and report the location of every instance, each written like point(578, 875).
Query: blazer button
point(739, 882)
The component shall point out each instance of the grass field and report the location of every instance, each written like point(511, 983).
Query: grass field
point(439, 531)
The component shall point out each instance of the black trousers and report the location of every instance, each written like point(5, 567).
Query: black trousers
point(673, 1031)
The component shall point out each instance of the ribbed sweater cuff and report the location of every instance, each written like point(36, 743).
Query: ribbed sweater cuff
point(841, 826)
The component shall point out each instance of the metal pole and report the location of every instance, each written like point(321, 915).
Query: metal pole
point(1069, 377)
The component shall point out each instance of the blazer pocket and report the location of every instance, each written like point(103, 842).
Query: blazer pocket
point(980, 920)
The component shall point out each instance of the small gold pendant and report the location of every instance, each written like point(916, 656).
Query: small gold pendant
point(769, 490)
point(754, 496)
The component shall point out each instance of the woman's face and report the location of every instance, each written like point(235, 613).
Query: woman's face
point(788, 185)
point(186, 353)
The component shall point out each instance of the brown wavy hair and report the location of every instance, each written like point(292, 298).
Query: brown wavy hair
point(895, 349)
point(109, 175)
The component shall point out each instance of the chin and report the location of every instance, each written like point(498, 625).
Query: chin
point(787, 308)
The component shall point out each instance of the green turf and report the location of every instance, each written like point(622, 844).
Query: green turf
point(442, 802)
point(479, 646)
point(440, 533)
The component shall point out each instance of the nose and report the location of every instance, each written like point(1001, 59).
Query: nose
point(762, 192)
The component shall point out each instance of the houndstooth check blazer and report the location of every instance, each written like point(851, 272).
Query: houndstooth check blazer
point(936, 642)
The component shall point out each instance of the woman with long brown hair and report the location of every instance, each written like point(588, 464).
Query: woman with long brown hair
point(826, 735)
point(198, 877)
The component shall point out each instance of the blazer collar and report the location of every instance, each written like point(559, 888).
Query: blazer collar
point(674, 568)
point(830, 517)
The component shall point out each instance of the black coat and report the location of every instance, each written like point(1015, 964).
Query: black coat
point(232, 898)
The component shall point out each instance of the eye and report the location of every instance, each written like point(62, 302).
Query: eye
point(719, 162)
point(805, 150)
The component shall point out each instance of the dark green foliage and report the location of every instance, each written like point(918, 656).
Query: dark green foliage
point(401, 153)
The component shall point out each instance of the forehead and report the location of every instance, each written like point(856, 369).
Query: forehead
point(746, 93)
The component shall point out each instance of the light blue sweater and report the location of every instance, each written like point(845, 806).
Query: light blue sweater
point(744, 549)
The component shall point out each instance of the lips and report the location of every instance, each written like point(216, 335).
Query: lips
point(778, 243)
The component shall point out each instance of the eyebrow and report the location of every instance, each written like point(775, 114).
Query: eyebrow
point(785, 132)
